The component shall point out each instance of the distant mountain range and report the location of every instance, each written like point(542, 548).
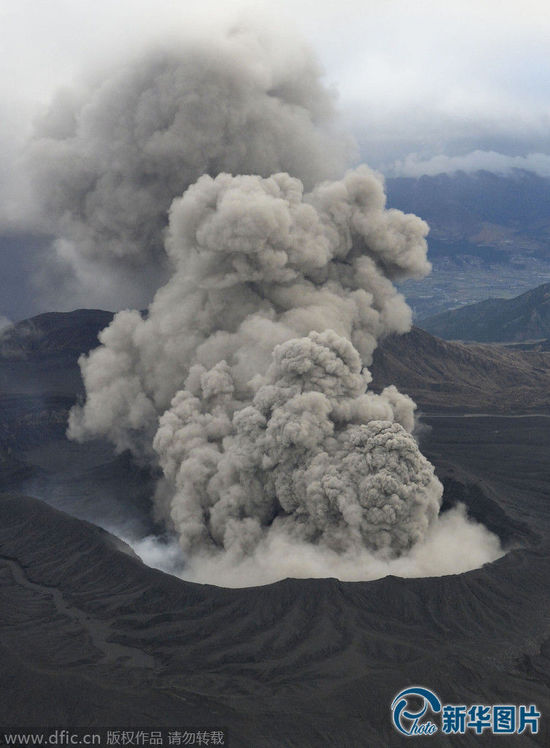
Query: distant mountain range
point(523, 318)
point(39, 359)
point(489, 236)
point(39, 382)
point(495, 218)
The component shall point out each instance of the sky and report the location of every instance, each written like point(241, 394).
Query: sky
point(424, 77)
point(423, 86)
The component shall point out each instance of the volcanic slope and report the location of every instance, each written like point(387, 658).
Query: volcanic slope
point(39, 383)
point(92, 637)
point(458, 377)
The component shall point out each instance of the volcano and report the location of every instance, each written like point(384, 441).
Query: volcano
point(92, 637)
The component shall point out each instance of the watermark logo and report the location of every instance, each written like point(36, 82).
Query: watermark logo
point(409, 722)
point(418, 711)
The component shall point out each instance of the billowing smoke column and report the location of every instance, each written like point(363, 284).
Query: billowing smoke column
point(246, 380)
point(245, 384)
point(256, 264)
point(305, 457)
point(108, 158)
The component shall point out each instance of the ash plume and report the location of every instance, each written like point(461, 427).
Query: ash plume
point(309, 456)
point(257, 263)
point(246, 382)
point(109, 156)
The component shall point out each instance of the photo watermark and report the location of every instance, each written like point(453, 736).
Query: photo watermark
point(179, 736)
point(417, 711)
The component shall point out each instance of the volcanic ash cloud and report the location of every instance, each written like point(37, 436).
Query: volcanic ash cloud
point(246, 381)
point(313, 456)
point(257, 263)
point(110, 155)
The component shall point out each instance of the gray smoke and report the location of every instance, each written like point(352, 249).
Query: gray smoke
point(246, 382)
point(257, 263)
point(109, 156)
point(310, 455)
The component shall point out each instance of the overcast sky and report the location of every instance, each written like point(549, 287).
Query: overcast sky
point(425, 86)
point(420, 76)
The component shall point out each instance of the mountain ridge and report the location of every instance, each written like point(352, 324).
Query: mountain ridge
point(438, 374)
point(523, 318)
point(458, 377)
point(482, 214)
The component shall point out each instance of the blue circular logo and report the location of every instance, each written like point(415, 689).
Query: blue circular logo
point(408, 722)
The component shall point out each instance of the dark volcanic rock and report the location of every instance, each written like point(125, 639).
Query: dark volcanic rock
point(40, 355)
point(89, 636)
point(39, 382)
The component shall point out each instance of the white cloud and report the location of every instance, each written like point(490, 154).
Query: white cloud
point(499, 163)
